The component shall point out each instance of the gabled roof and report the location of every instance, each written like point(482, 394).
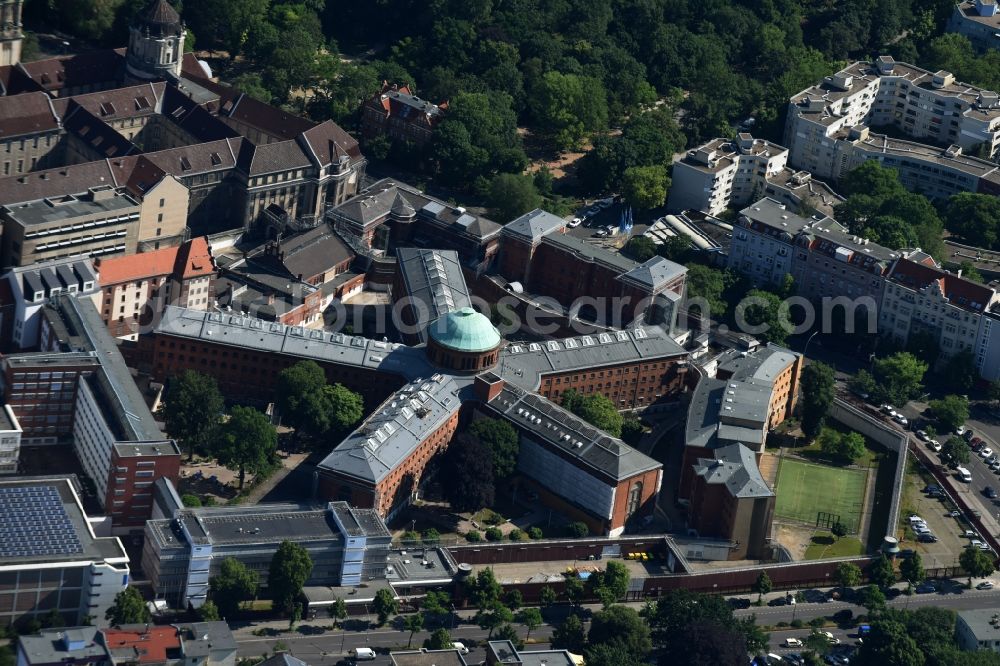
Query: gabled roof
point(92, 68)
point(27, 114)
point(328, 142)
point(960, 292)
point(277, 156)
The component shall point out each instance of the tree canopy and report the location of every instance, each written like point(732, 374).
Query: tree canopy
point(951, 411)
point(502, 440)
point(817, 396)
point(129, 608)
point(468, 466)
point(233, 585)
point(290, 568)
point(898, 378)
point(595, 409)
point(246, 443)
point(192, 406)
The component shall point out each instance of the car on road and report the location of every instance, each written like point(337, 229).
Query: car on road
point(901, 420)
point(985, 452)
point(990, 492)
point(985, 585)
point(955, 513)
point(792, 642)
point(575, 222)
point(830, 638)
point(739, 603)
point(927, 537)
point(926, 588)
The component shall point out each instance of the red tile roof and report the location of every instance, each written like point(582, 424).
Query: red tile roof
point(189, 260)
point(149, 645)
point(959, 291)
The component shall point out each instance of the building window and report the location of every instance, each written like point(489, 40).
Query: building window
point(634, 499)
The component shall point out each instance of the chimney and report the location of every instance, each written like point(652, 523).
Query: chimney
point(488, 386)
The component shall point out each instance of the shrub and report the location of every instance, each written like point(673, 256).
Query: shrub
point(797, 623)
point(578, 530)
point(431, 537)
point(535, 533)
point(494, 534)
point(817, 622)
point(473, 536)
point(517, 535)
point(410, 535)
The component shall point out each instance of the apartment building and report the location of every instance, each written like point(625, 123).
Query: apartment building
point(978, 629)
point(397, 113)
point(960, 313)
point(955, 127)
point(193, 644)
point(135, 289)
point(726, 173)
point(50, 557)
point(349, 546)
point(31, 288)
point(825, 259)
point(979, 20)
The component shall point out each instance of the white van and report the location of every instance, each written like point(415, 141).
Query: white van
point(460, 647)
point(362, 654)
point(964, 474)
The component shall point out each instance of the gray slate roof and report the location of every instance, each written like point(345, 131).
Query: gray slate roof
point(589, 252)
point(654, 273)
point(736, 467)
point(250, 333)
point(562, 430)
point(524, 363)
point(400, 424)
point(534, 225)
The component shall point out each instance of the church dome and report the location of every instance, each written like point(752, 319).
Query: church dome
point(465, 330)
point(160, 19)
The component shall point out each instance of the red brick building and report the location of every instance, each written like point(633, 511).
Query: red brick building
point(397, 113)
point(134, 467)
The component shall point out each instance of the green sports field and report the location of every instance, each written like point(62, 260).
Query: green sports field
point(805, 489)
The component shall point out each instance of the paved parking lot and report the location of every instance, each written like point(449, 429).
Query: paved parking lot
point(934, 511)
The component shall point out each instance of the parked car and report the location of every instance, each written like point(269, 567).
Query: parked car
point(985, 585)
point(931, 488)
point(795, 658)
point(976, 442)
point(969, 534)
point(935, 445)
point(739, 603)
point(901, 420)
point(968, 435)
point(592, 211)
point(985, 452)
point(926, 587)
point(960, 431)
point(927, 538)
point(575, 222)
point(992, 459)
point(923, 436)
point(976, 543)
point(995, 466)
point(955, 513)
point(602, 233)
point(830, 638)
point(605, 203)
point(914, 518)
point(984, 546)
point(792, 642)
point(888, 409)
point(990, 492)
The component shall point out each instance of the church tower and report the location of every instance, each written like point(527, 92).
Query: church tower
point(155, 44)
point(10, 32)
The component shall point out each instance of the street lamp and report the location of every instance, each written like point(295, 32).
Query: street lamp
point(805, 349)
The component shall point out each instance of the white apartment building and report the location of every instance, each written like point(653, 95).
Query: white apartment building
point(959, 312)
point(724, 173)
point(32, 286)
point(827, 131)
point(825, 259)
point(979, 20)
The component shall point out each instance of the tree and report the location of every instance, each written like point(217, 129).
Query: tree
point(632, 429)
point(129, 608)
point(468, 464)
point(567, 107)
point(513, 599)
point(676, 249)
point(970, 272)
point(956, 450)
point(881, 572)
point(569, 635)
point(614, 579)
point(899, 377)
point(547, 596)
point(621, 625)
point(595, 409)
point(477, 138)
point(492, 616)
point(437, 604)
point(574, 590)
point(645, 187)
point(431, 537)
point(246, 443)
point(873, 599)
point(765, 310)
point(709, 643)
point(531, 618)
point(296, 390)
point(345, 409)
point(708, 284)
point(439, 639)
point(951, 411)
point(847, 574)
point(846, 447)
point(912, 569)
point(577, 530)
point(888, 643)
point(817, 643)
point(384, 605)
point(959, 372)
point(977, 563)
point(817, 396)
point(337, 611)
point(209, 612)
point(192, 405)
point(290, 568)
point(863, 383)
point(873, 180)
point(511, 195)
point(502, 440)
point(640, 248)
point(505, 632)
point(763, 585)
point(974, 217)
point(839, 530)
point(233, 585)
point(412, 623)
point(191, 501)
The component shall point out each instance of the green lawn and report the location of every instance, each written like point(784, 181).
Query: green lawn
point(804, 489)
point(826, 545)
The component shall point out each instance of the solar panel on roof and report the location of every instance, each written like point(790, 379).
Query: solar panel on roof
point(34, 523)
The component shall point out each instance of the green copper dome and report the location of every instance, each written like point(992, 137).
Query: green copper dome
point(465, 330)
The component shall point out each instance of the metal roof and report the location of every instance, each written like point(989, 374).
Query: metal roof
point(654, 273)
point(434, 282)
point(465, 330)
point(735, 466)
point(533, 225)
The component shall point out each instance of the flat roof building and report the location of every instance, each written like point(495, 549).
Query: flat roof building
point(979, 20)
point(50, 557)
point(978, 629)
